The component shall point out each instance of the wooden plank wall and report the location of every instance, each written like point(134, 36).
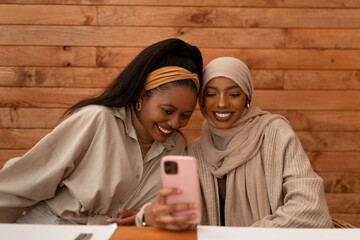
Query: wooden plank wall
point(304, 56)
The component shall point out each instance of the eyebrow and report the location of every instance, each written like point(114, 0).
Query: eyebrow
point(172, 106)
point(228, 88)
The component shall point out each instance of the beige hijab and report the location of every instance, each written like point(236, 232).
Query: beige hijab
point(235, 151)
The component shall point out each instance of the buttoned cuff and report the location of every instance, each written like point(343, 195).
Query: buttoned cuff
point(140, 216)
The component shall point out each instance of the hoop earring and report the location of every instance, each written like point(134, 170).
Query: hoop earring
point(138, 106)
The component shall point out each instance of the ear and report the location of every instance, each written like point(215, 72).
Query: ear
point(142, 96)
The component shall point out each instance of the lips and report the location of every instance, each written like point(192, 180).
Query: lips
point(222, 116)
point(164, 131)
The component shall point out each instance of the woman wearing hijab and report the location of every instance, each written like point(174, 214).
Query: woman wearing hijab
point(253, 169)
point(106, 154)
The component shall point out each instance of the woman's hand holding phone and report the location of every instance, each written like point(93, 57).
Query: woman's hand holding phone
point(177, 206)
point(161, 215)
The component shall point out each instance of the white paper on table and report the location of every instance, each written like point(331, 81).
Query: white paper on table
point(54, 232)
point(252, 233)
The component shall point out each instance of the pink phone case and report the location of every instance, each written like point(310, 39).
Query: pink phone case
point(186, 179)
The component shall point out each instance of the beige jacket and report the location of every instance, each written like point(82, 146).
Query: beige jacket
point(86, 168)
point(295, 192)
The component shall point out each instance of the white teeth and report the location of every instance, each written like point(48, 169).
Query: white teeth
point(222, 115)
point(164, 130)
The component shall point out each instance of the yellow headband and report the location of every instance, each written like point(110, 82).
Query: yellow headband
point(169, 74)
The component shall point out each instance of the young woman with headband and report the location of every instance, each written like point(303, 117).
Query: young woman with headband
point(106, 154)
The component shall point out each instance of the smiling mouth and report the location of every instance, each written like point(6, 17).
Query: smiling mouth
point(222, 116)
point(164, 131)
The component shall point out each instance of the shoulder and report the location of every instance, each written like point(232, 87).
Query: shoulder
point(279, 126)
point(194, 147)
point(94, 113)
point(178, 138)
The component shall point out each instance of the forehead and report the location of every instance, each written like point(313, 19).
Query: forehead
point(221, 82)
point(181, 97)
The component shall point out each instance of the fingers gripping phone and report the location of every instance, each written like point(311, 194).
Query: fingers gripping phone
point(181, 172)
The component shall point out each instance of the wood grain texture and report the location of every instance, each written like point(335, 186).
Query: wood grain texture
point(327, 80)
point(341, 182)
point(249, 3)
point(347, 203)
point(324, 38)
point(324, 120)
point(307, 100)
point(64, 56)
point(57, 76)
point(215, 3)
point(354, 219)
point(43, 97)
point(286, 59)
point(129, 36)
point(47, 15)
point(335, 161)
point(30, 117)
point(330, 141)
point(20, 138)
point(228, 17)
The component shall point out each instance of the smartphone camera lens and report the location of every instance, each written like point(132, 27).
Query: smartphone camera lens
point(171, 167)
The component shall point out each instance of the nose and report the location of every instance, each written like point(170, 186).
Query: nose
point(222, 100)
point(174, 122)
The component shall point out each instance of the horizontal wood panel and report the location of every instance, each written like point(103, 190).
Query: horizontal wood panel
point(324, 120)
point(346, 203)
point(30, 117)
point(304, 120)
point(307, 100)
point(335, 161)
point(43, 97)
point(288, 59)
point(218, 3)
point(267, 99)
point(228, 17)
point(324, 38)
point(330, 141)
point(299, 59)
point(47, 56)
point(312, 141)
point(341, 121)
point(129, 36)
point(353, 219)
point(57, 77)
point(339, 182)
point(20, 138)
point(99, 77)
point(322, 3)
point(294, 79)
point(274, 3)
point(47, 14)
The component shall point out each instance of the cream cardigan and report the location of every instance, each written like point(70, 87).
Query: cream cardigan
point(295, 192)
point(86, 168)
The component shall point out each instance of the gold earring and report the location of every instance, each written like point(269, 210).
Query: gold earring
point(248, 105)
point(138, 106)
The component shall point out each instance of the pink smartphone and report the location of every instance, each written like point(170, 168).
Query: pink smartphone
point(181, 172)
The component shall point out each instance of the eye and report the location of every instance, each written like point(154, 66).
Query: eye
point(186, 115)
point(210, 94)
point(168, 112)
point(234, 95)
